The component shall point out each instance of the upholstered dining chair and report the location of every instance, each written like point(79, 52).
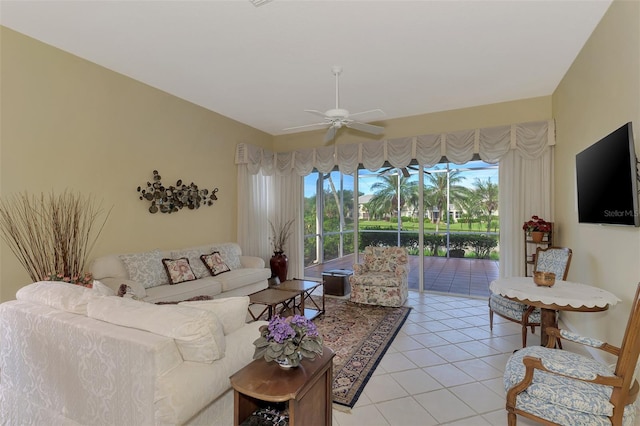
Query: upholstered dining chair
point(383, 278)
point(551, 259)
point(554, 386)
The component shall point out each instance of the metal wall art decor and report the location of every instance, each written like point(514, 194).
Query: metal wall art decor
point(170, 199)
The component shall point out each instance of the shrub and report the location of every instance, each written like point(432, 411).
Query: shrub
point(434, 244)
point(482, 245)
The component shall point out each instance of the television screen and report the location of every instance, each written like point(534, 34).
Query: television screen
point(607, 180)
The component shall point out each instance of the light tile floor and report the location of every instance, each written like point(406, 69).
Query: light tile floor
point(444, 367)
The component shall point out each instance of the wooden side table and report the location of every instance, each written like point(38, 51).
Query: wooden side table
point(306, 390)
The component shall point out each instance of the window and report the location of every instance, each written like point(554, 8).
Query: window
point(388, 209)
point(328, 216)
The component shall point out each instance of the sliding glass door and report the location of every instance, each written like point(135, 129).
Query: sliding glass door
point(328, 217)
point(445, 211)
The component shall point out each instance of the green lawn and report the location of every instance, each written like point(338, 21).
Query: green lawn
point(428, 226)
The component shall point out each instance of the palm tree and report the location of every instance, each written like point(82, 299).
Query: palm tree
point(386, 192)
point(435, 190)
point(487, 195)
point(470, 206)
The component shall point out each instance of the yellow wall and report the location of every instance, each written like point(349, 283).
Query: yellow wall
point(599, 93)
point(70, 124)
point(67, 123)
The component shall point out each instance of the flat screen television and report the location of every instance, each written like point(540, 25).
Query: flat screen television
point(607, 179)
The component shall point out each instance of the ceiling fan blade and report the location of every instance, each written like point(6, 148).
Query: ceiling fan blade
point(316, 112)
point(405, 172)
point(331, 133)
point(377, 111)
point(364, 127)
point(306, 125)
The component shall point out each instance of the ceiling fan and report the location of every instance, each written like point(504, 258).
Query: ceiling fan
point(405, 170)
point(337, 117)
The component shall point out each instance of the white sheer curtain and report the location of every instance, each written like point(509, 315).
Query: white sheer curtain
point(272, 198)
point(253, 208)
point(524, 151)
point(287, 205)
point(526, 188)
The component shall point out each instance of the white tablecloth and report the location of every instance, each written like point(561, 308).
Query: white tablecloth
point(562, 293)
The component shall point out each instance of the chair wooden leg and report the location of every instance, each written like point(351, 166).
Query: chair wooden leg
point(490, 319)
point(524, 336)
point(511, 419)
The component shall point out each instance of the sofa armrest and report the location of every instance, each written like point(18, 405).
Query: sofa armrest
point(251, 262)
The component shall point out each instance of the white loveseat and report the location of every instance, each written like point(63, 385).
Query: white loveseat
point(69, 355)
point(147, 278)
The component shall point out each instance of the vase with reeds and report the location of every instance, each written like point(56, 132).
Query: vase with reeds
point(279, 263)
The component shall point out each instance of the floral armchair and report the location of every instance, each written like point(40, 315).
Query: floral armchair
point(383, 277)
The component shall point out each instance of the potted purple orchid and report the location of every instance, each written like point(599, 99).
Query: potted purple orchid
point(288, 340)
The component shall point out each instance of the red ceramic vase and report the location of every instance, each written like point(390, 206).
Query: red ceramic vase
point(279, 265)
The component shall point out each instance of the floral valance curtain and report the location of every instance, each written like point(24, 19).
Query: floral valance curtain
point(529, 140)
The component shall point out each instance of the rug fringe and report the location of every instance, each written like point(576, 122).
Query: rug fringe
point(342, 408)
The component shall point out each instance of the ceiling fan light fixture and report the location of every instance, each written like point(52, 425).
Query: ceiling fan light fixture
point(337, 113)
point(258, 3)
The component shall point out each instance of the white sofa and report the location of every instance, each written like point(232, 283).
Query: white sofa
point(147, 278)
point(69, 355)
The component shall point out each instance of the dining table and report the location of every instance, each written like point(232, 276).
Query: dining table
point(561, 296)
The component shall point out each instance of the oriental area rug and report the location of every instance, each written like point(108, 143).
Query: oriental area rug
point(359, 335)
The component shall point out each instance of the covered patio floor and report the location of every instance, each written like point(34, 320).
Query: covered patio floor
point(468, 277)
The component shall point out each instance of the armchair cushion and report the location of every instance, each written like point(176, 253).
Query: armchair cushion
point(384, 259)
point(512, 309)
point(377, 279)
point(549, 391)
point(587, 341)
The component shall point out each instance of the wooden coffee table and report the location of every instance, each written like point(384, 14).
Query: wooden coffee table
point(305, 391)
point(271, 298)
point(304, 289)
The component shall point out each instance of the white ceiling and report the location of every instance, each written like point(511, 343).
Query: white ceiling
point(264, 65)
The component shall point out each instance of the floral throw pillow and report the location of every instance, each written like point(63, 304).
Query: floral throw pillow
point(178, 270)
point(230, 254)
point(214, 263)
point(193, 255)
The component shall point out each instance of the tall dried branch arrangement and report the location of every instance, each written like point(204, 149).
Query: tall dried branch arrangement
point(51, 234)
point(280, 233)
